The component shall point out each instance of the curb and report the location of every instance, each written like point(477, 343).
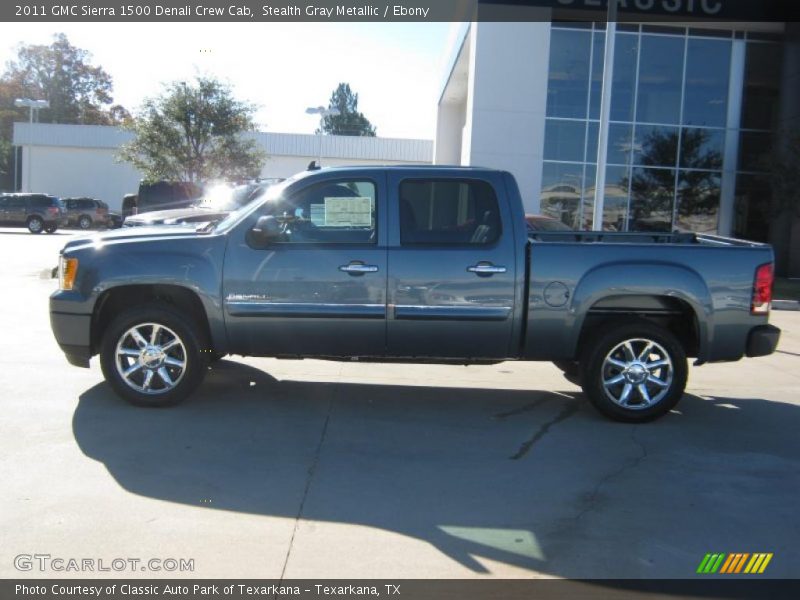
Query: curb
point(786, 305)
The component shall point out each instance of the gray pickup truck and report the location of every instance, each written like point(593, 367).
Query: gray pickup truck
point(411, 264)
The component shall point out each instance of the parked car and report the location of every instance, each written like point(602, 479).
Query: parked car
point(86, 213)
point(215, 205)
point(37, 212)
point(544, 223)
point(411, 264)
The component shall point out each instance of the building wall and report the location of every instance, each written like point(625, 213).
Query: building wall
point(80, 160)
point(507, 99)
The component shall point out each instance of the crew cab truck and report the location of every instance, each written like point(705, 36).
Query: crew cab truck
point(411, 264)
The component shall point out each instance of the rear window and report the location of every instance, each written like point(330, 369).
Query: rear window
point(448, 212)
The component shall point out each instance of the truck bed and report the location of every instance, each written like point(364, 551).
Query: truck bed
point(614, 237)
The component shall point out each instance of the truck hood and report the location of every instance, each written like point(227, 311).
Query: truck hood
point(135, 235)
point(176, 215)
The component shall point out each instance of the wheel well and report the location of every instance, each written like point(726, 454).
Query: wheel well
point(118, 299)
point(673, 314)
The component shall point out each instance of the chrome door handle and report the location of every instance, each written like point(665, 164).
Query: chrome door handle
point(486, 269)
point(358, 268)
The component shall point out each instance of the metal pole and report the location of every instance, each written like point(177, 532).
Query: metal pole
point(30, 147)
point(605, 115)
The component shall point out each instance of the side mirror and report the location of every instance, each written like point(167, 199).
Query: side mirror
point(267, 229)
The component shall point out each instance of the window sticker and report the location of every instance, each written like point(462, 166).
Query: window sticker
point(348, 212)
point(318, 214)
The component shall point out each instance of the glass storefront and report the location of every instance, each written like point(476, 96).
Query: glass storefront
point(667, 129)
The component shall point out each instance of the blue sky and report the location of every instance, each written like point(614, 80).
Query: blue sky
point(396, 68)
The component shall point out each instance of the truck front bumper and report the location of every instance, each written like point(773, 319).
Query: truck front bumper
point(72, 333)
point(762, 340)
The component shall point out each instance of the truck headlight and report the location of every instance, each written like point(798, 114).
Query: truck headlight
point(67, 270)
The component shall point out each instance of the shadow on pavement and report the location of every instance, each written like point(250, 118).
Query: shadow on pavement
point(533, 479)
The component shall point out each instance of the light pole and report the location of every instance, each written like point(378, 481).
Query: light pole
point(322, 112)
point(32, 105)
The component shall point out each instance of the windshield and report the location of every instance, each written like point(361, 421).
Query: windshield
point(264, 194)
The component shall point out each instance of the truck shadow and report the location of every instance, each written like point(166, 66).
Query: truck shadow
point(533, 479)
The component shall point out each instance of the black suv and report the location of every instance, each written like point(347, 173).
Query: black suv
point(86, 212)
point(37, 212)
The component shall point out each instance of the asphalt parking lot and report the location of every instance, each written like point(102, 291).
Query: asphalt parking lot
point(312, 469)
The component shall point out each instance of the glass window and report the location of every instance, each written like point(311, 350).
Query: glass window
point(702, 148)
point(341, 212)
point(596, 83)
point(568, 79)
point(762, 82)
point(561, 192)
point(708, 66)
point(660, 79)
point(698, 201)
point(589, 181)
point(615, 205)
point(564, 140)
point(448, 212)
point(620, 144)
point(652, 199)
point(624, 81)
point(656, 146)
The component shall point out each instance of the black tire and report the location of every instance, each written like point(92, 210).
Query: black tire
point(190, 352)
point(85, 222)
point(35, 224)
point(51, 228)
point(663, 383)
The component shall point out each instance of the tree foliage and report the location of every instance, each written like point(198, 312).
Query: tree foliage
point(193, 132)
point(349, 121)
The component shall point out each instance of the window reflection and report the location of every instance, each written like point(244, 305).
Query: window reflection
point(568, 79)
point(564, 140)
point(660, 77)
point(625, 51)
point(707, 74)
point(702, 148)
point(656, 146)
point(698, 201)
point(561, 192)
point(652, 199)
point(615, 206)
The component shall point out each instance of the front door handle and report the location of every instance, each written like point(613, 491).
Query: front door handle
point(486, 268)
point(357, 268)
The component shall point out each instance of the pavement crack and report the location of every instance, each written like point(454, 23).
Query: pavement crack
point(631, 464)
point(522, 409)
point(309, 478)
point(568, 410)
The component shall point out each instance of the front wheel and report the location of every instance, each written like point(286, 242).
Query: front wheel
point(35, 225)
point(51, 228)
point(85, 222)
point(634, 372)
point(151, 356)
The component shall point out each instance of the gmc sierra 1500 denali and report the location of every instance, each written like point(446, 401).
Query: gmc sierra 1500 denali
point(411, 264)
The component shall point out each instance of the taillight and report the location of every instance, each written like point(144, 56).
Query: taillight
point(53, 210)
point(762, 290)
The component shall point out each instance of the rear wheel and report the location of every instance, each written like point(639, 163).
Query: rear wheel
point(634, 372)
point(151, 356)
point(35, 224)
point(85, 222)
point(51, 228)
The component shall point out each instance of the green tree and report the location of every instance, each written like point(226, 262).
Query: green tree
point(349, 121)
point(78, 92)
point(193, 132)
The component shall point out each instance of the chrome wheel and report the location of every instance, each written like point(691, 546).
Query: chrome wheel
point(637, 374)
point(150, 358)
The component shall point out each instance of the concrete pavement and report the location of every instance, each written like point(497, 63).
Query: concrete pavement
point(320, 469)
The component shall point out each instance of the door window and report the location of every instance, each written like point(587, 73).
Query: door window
point(448, 212)
point(341, 212)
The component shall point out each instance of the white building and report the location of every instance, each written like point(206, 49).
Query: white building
point(80, 160)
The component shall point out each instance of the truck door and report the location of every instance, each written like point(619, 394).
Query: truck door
point(451, 268)
point(320, 288)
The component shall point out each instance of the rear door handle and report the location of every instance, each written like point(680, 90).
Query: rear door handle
point(486, 268)
point(355, 268)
